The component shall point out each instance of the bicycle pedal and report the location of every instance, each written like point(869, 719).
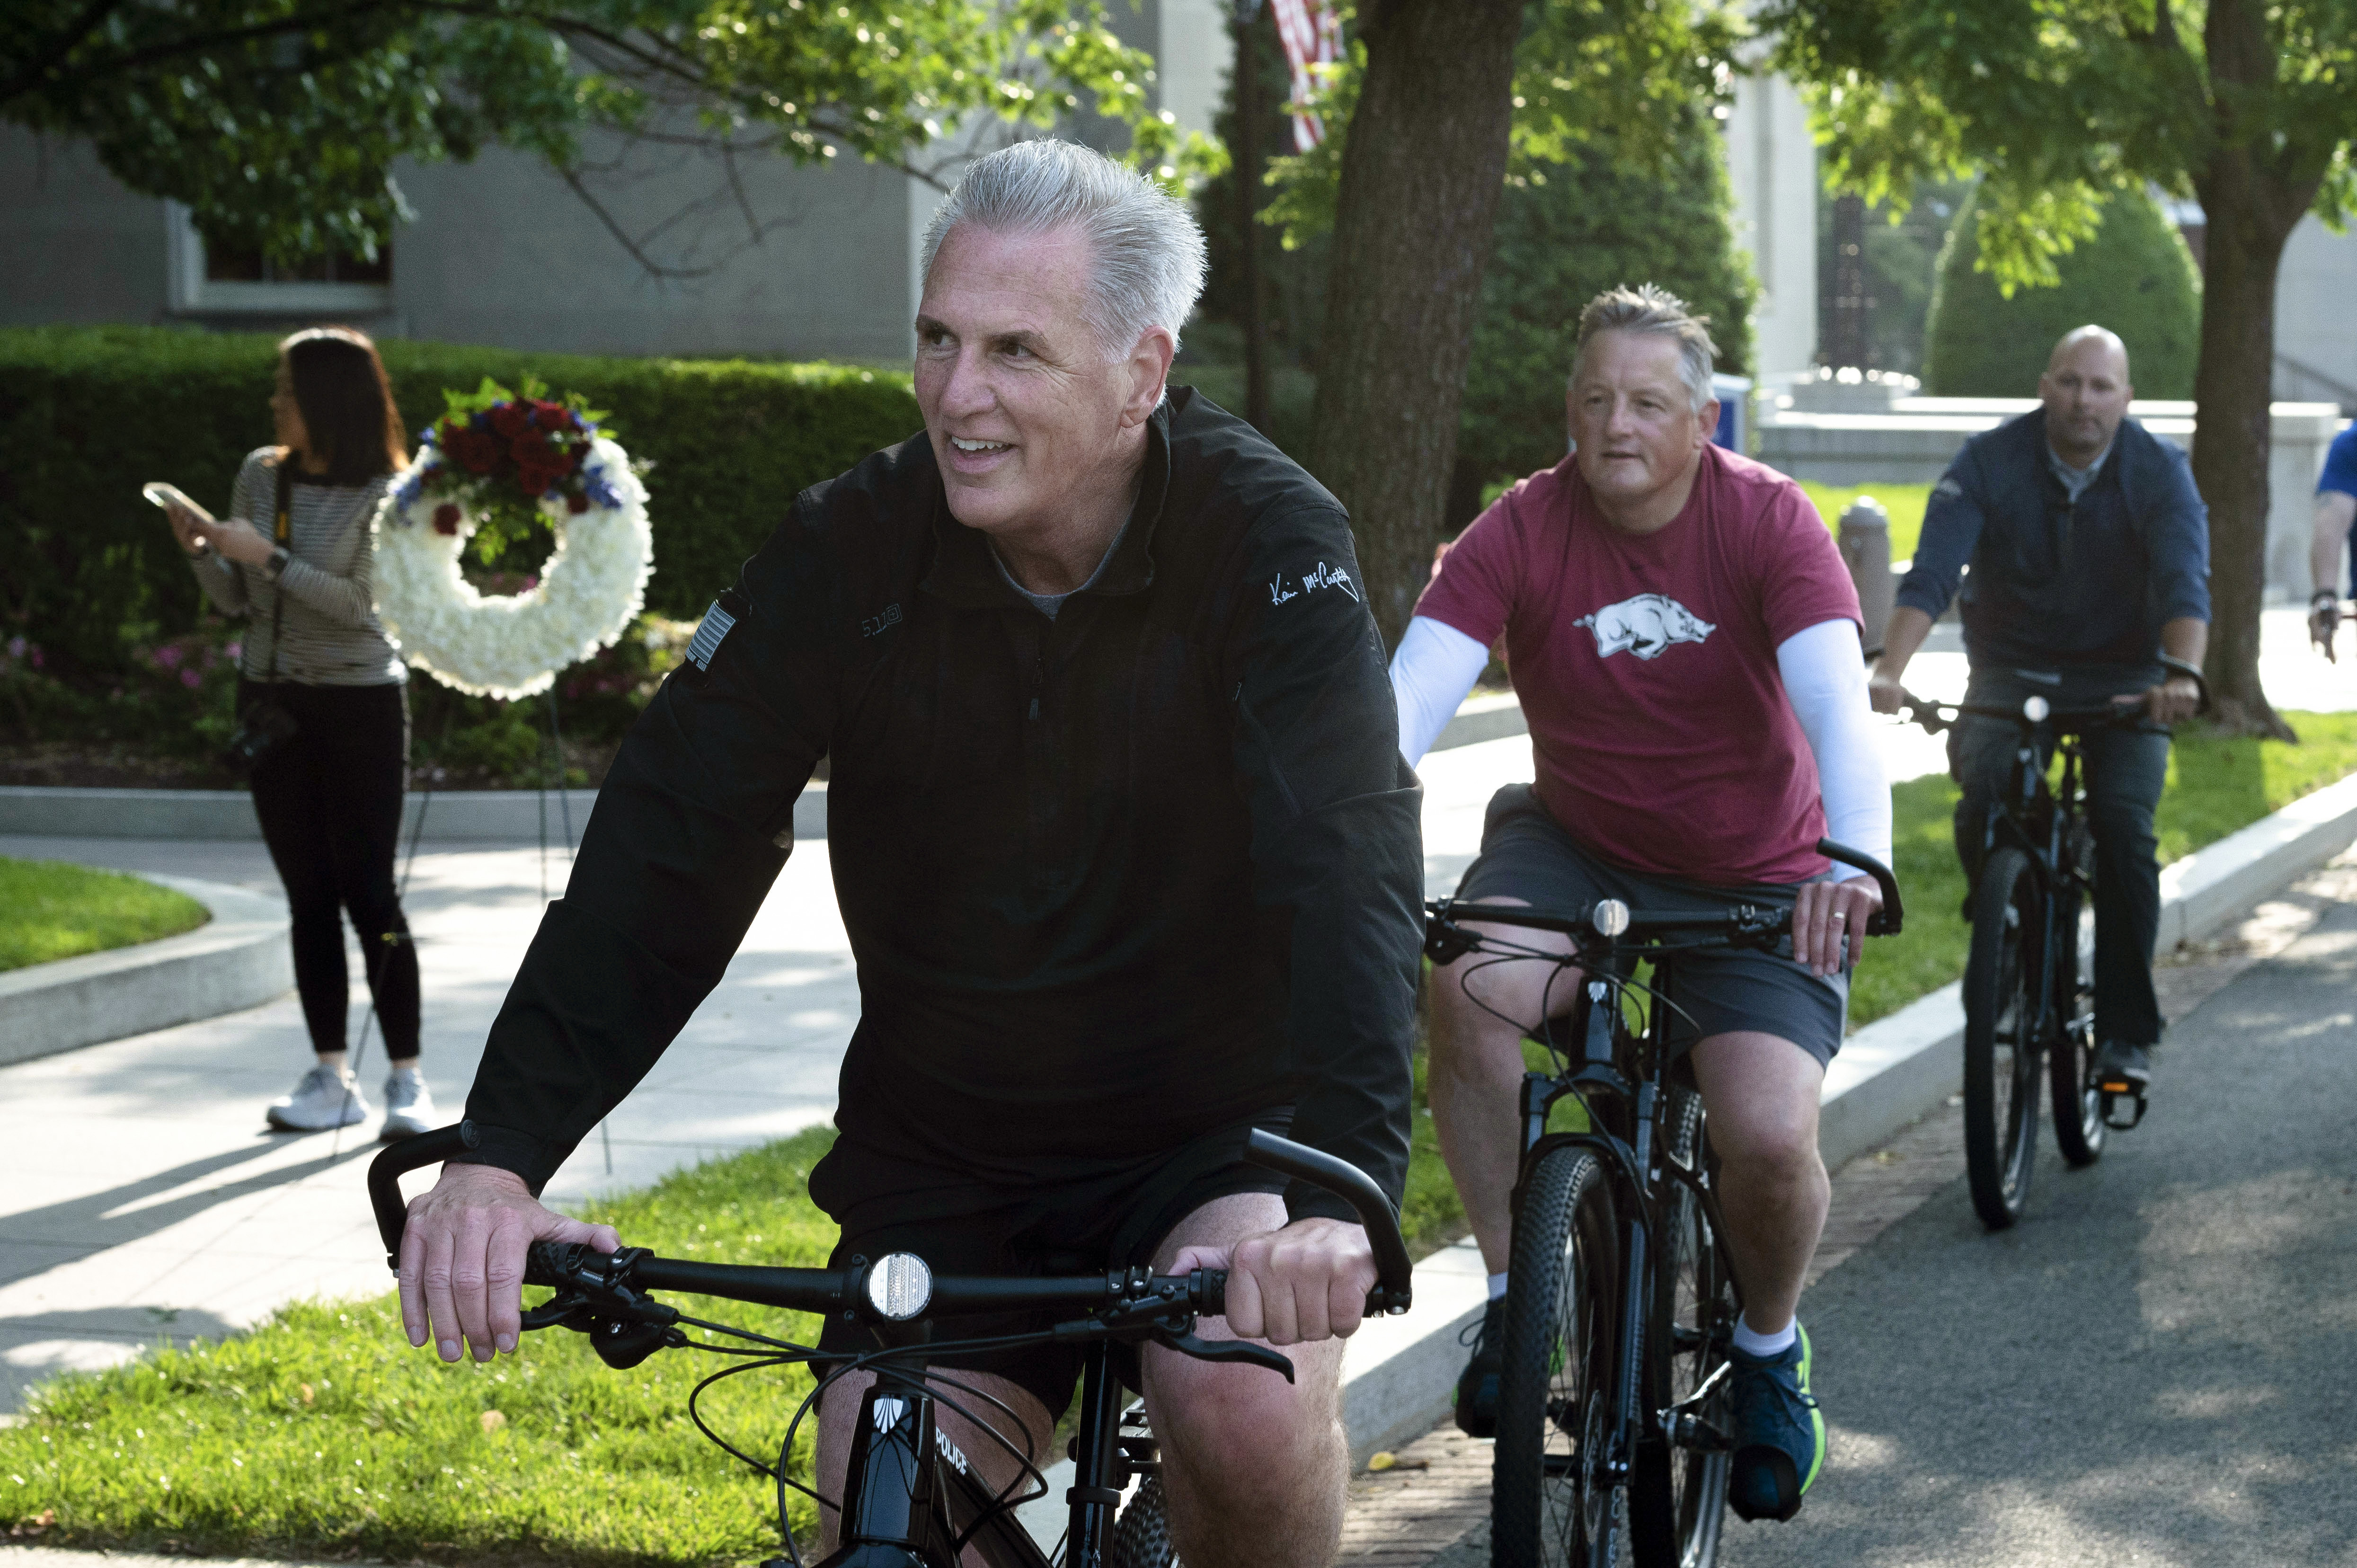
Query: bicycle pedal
point(2117, 1101)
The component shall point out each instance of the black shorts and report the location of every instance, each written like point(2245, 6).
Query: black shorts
point(1091, 1218)
point(1526, 855)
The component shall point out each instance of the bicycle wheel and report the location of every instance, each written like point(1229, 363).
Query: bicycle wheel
point(1141, 1536)
point(2001, 1051)
point(2078, 1108)
point(1550, 1503)
point(1677, 1495)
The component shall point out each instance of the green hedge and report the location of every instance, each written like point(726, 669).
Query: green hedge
point(88, 413)
point(2136, 276)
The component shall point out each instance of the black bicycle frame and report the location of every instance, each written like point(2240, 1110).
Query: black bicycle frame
point(2042, 822)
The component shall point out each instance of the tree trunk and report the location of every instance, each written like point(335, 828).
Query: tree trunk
point(2249, 213)
point(1421, 178)
point(1249, 161)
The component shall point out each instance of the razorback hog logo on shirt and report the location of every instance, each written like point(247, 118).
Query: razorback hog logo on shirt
point(1645, 625)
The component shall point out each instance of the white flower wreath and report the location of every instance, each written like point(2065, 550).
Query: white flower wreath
point(589, 591)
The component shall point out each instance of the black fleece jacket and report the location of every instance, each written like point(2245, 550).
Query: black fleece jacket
point(1112, 881)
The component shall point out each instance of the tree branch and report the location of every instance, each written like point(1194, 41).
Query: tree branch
point(615, 229)
point(75, 31)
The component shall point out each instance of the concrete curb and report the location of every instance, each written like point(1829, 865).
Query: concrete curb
point(238, 959)
point(451, 816)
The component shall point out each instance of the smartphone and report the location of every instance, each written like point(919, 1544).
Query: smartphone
point(165, 495)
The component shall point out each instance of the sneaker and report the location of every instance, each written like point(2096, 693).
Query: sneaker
point(2123, 1068)
point(1780, 1434)
point(408, 1106)
point(325, 1098)
point(1476, 1399)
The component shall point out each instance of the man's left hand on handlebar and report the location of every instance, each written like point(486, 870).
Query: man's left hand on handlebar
point(1306, 1283)
point(1829, 922)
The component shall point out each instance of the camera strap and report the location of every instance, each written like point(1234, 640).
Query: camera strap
point(284, 530)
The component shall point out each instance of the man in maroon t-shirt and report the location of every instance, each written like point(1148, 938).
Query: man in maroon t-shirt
point(1683, 639)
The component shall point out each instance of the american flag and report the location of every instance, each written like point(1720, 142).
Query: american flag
point(1313, 35)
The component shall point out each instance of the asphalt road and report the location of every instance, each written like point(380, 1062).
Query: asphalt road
point(2158, 1364)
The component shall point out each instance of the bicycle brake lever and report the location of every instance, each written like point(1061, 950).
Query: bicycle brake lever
point(1227, 1350)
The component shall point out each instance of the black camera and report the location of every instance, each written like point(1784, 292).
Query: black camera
point(264, 726)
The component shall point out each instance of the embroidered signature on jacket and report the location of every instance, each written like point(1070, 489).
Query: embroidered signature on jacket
point(1319, 576)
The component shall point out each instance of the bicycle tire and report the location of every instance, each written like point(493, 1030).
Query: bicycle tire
point(1554, 1405)
point(1677, 1495)
point(2079, 1129)
point(1141, 1536)
point(2001, 1053)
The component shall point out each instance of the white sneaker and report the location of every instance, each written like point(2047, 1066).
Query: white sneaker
point(325, 1098)
point(408, 1105)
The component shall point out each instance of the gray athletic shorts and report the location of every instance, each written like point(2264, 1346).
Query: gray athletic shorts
point(1524, 855)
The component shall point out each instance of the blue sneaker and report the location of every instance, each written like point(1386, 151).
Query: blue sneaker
point(1780, 1434)
point(1476, 1399)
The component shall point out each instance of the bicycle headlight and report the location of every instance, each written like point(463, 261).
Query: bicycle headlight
point(1611, 917)
point(2035, 709)
point(900, 1286)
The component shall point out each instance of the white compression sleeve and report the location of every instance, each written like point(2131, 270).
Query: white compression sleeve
point(1824, 680)
point(1435, 665)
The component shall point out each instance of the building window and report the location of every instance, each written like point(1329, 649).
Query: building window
point(214, 280)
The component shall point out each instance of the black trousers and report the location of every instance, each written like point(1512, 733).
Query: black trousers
point(2125, 771)
point(329, 801)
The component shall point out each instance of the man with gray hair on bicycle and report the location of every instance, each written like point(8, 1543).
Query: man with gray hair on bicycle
point(2089, 550)
point(1685, 641)
point(1128, 858)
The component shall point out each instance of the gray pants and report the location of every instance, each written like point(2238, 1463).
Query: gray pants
point(2125, 772)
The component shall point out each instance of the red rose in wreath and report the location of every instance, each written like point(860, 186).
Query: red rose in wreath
point(510, 420)
point(446, 518)
point(476, 450)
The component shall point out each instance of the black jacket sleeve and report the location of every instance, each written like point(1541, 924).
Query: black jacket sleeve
point(1337, 839)
point(691, 827)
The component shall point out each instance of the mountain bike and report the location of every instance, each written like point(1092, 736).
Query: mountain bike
point(2030, 983)
point(1613, 1395)
point(912, 1499)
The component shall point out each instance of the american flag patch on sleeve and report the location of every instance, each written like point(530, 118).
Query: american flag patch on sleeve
point(715, 626)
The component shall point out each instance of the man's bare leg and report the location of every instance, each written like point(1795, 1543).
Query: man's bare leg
point(1761, 1093)
point(1254, 1468)
point(1476, 1071)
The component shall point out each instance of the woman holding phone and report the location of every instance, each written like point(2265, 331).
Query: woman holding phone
point(322, 689)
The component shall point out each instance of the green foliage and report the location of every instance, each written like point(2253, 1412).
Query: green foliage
point(1566, 231)
point(88, 413)
point(2134, 275)
point(1619, 80)
point(50, 911)
point(2060, 104)
point(278, 121)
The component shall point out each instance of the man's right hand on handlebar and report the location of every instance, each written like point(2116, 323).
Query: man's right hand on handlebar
point(1885, 693)
point(462, 1258)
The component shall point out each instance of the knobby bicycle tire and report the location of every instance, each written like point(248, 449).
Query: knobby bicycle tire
point(1677, 1495)
point(2001, 1050)
point(1141, 1536)
point(1553, 1398)
point(2078, 1107)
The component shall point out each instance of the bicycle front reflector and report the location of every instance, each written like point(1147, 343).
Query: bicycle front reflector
point(900, 1286)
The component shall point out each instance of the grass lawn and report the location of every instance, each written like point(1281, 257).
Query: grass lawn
point(49, 910)
point(322, 1432)
point(1905, 501)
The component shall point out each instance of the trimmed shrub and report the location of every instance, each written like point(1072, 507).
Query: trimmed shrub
point(2136, 276)
point(1590, 226)
point(88, 413)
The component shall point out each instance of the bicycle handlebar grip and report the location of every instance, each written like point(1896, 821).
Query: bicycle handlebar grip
point(1394, 1288)
point(1894, 913)
point(397, 1160)
point(549, 1262)
point(1209, 1296)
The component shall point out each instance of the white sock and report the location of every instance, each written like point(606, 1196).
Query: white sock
point(405, 1072)
point(1760, 1346)
point(1497, 1286)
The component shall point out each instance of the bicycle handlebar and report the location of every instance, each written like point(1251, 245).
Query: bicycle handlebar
point(1937, 717)
point(900, 1286)
point(1609, 919)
